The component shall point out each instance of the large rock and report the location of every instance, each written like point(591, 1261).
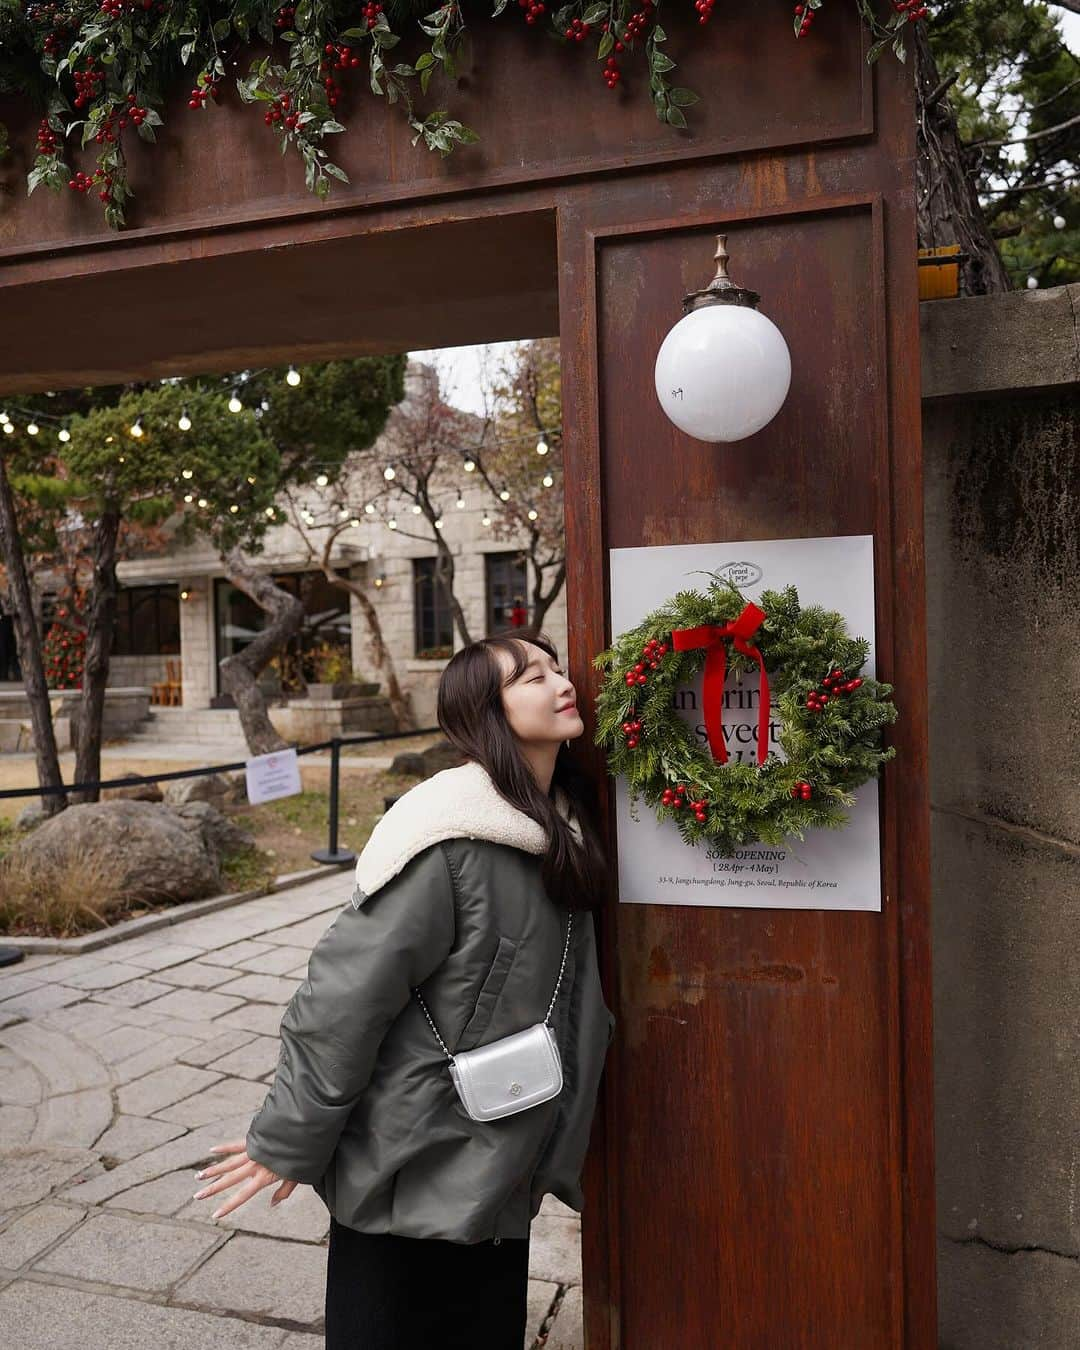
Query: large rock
point(153, 853)
point(211, 787)
point(31, 816)
point(220, 835)
point(424, 763)
point(146, 791)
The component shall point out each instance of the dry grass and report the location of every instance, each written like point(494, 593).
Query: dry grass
point(57, 897)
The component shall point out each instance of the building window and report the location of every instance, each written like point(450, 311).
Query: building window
point(506, 580)
point(432, 612)
point(147, 621)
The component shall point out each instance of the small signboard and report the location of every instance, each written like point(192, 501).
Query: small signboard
point(271, 776)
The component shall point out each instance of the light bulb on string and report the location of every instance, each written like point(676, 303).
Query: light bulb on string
point(504, 495)
point(235, 405)
point(251, 478)
point(1033, 283)
point(485, 519)
point(322, 480)
point(541, 446)
point(184, 421)
point(187, 473)
point(32, 428)
point(547, 480)
point(292, 377)
point(460, 502)
point(532, 513)
point(369, 508)
point(63, 435)
point(439, 523)
point(343, 513)
point(354, 522)
point(9, 427)
point(1060, 222)
point(234, 508)
point(416, 509)
point(470, 464)
point(137, 427)
point(189, 497)
point(391, 524)
point(389, 472)
point(270, 512)
point(203, 503)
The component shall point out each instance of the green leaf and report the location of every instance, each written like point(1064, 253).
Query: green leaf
point(146, 131)
point(658, 34)
point(221, 29)
point(425, 80)
point(336, 172)
point(355, 33)
point(659, 61)
point(302, 17)
point(424, 60)
point(683, 98)
point(185, 52)
point(385, 38)
point(594, 14)
point(331, 127)
point(607, 43)
point(675, 117)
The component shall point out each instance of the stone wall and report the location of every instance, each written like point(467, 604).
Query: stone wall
point(1002, 488)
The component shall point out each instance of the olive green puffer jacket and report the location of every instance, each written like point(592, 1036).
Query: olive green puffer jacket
point(449, 897)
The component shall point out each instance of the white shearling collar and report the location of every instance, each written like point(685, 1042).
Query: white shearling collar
point(462, 801)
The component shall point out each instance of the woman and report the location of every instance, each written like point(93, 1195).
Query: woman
point(466, 888)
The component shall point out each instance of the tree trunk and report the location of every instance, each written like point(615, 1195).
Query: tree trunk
point(28, 640)
point(100, 625)
point(381, 660)
point(947, 200)
point(541, 603)
point(444, 572)
point(238, 673)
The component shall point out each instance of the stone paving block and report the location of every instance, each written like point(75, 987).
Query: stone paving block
point(163, 954)
point(130, 1136)
point(568, 1329)
point(223, 1099)
point(541, 1296)
point(104, 976)
point(261, 988)
point(32, 1232)
point(164, 1195)
point(19, 1084)
point(133, 1253)
point(133, 993)
point(31, 1174)
point(15, 980)
point(208, 1051)
point(303, 934)
point(49, 1317)
point(551, 1206)
point(555, 1250)
point(267, 1277)
point(300, 1340)
point(16, 1127)
point(302, 1217)
point(237, 951)
point(65, 1065)
point(194, 1005)
point(73, 1120)
point(96, 1018)
point(277, 961)
point(35, 960)
point(167, 1051)
point(210, 932)
point(298, 973)
point(8, 1019)
point(163, 1087)
point(59, 970)
point(182, 1026)
point(41, 1000)
point(196, 975)
point(122, 1042)
point(262, 1018)
point(254, 1060)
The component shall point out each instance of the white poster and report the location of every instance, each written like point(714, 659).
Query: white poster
point(829, 869)
point(271, 776)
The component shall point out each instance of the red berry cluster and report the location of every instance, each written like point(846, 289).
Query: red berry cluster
point(285, 17)
point(533, 9)
point(610, 72)
point(343, 56)
point(632, 731)
point(640, 20)
point(206, 88)
point(281, 110)
point(84, 182)
point(802, 790)
point(704, 9)
point(87, 84)
point(653, 652)
point(914, 9)
point(115, 9)
point(838, 683)
point(805, 15)
point(578, 30)
point(47, 139)
point(676, 798)
point(372, 10)
point(55, 40)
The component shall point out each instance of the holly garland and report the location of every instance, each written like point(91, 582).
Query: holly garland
point(102, 69)
point(832, 716)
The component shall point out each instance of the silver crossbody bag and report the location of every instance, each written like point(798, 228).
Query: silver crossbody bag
point(510, 1074)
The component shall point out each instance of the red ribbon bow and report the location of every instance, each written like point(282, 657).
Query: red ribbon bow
point(711, 637)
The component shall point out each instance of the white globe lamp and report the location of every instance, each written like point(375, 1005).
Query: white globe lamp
point(724, 370)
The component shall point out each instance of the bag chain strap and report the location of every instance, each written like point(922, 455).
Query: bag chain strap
point(551, 1005)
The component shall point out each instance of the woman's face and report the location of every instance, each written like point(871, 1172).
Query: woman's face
point(541, 704)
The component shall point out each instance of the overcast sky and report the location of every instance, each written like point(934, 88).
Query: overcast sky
point(461, 365)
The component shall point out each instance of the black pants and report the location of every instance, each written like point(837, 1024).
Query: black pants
point(385, 1292)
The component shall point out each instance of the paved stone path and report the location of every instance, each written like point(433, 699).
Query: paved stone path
point(118, 1069)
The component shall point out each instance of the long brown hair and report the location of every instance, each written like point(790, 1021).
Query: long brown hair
point(471, 714)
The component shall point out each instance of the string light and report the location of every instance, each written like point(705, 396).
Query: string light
point(292, 377)
point(137, 427)
point(184, 595)
point(343, 513)
point(460, 501)
point(504, 495)
point(389, 472)
point(532, 513)
point(369, 508)
point(486, 520)
point(270, 512)
point(234, 508)
point(203, 503)
point(9, 427)
point(251, 478)
point(32, 428)
point(1059, 222)
point(322, 480)
point(184, 421)
point(188, 497)
point(379, 580)
point(235, 405)
point(547, 480)
point(416, 510)
point(64, 435)
point(438, 523)
point(470, 464)
point(541, 445)
point(354, 522)
point(1033, 283)
point(391, 524)
point(187, 473)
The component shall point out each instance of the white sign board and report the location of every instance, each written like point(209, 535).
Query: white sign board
point(271, 776)
point(830, 869)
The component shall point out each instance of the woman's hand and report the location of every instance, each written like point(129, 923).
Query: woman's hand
point(236, 1169)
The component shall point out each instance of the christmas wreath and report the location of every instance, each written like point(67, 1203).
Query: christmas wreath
point(832, 717)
